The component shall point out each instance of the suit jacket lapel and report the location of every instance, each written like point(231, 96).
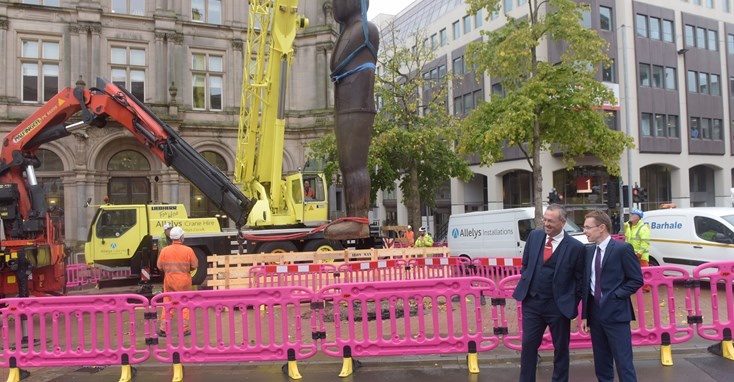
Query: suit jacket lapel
point(607, 252)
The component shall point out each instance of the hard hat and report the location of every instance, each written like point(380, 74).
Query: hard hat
point(410, 227)
point(638, 213)
point(422, 229)
point(167, 226)
point(176, 233)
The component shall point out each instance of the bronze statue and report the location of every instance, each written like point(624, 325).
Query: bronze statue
point(353, 73)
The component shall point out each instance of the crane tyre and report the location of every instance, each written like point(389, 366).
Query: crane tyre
point(277, 247)
point(198, 276)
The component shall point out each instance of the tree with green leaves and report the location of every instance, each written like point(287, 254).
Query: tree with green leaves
point(413, 135)
point(546, 105)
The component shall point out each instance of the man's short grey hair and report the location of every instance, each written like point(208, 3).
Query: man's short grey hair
point(560, 209)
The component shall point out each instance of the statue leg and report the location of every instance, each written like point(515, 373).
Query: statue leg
point(353, 134)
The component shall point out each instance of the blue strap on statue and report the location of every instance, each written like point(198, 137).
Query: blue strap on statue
point(366, 44)
point(365, 66)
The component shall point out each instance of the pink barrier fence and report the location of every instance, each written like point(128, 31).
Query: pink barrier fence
point(437, 267)
point(263, 324)
point(720, 322)
point(81, 274)
point(442, 313)
point(311, 276)
point(82, 330)
point(407, 317)
point(496, 268)
point(656, 312)
point(366, 271)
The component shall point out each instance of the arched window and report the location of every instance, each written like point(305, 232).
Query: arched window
point(201, 206)
point(48, 175)
point(125, 186)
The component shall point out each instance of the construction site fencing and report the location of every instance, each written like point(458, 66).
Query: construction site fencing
point(366, 318)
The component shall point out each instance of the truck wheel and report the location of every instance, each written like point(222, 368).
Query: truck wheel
point(277, 247)
point(322, 245)
point(198, 276)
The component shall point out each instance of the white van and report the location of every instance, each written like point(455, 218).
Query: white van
point(688, 237)
point(496, 233)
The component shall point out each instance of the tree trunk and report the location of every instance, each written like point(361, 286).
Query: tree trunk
point(414, 199)
point(537, 176)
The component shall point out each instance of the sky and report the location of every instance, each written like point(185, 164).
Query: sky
point(390, 7)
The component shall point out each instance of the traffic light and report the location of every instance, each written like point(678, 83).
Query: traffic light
point(625, 196)
point(636, 194)
point(612, 193)
point(643, 194)
point(553, 197)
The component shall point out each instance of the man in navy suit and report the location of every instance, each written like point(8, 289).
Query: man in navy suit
point(612, 274)
point(550, 290)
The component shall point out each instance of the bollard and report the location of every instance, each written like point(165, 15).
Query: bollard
point(177, 368)
point(347, 363)
point(293, 372)
point(471, 358)
point(666, 356)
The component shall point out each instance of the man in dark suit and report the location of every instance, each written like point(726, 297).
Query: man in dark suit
point(550, 290)
point(612, 274)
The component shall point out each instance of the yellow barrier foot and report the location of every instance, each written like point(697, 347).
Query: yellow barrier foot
point(727, 350)
point(178, 373)
point(126, 375)
point(347, 363)
point(292, 366)
point(472, 362)
point(15, 373)
point(666, 355)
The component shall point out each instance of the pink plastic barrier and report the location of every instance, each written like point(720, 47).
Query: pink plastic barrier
point(496, 268)
point(437, 267)
point(368, 271)
point(78, 275)
point(101, 274)
point(407, 317)
point(74, 331)
point(660, 304)
point(263, 324)
point(720, 277)
point(312, 276)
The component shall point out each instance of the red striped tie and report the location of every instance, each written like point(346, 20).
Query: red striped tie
point(548, 250)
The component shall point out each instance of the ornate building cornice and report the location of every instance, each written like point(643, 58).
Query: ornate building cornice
point(85, 28)
point(4, 23)
point(237, 44)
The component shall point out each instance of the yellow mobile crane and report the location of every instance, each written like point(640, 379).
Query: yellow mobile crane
point(279, 201)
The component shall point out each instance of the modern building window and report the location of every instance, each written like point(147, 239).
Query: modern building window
point(668, 35)
point(726, 6)
point(39, 65)
point(457, 30)
point(670, 78)
point(434, 41)
point(703, 83)
point(731, 87)
point(710, 4)
point(713, 40)
point(478, 97)
point(467, 24)
point(695, 132)
point(498, 89)
point(673, 127)
point(207, 81)
point(706, 128)
point(646, 124)
point(660, 125)
point(129, 7)
point(692, 81)
point(697, 2)
point(478, 19)
point(206, 11)
point(458, 66)
point(716, 129)
point(443, 37)
point(458, 106)
point(48, 3)
point(715, 85)
point(441, 71)
point(730, 43)
point(468, 103)
point(586, 19)
point(657, 76)
point(127, 70)
point(641, 21)
point(606, 22)
point(644, 75)
point(654, 28)
point(508, 5)
point(690, 35)
point(701, 38)
point(608, 73)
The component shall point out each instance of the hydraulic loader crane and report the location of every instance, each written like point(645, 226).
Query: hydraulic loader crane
point(280, 201)
point(32, 242)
